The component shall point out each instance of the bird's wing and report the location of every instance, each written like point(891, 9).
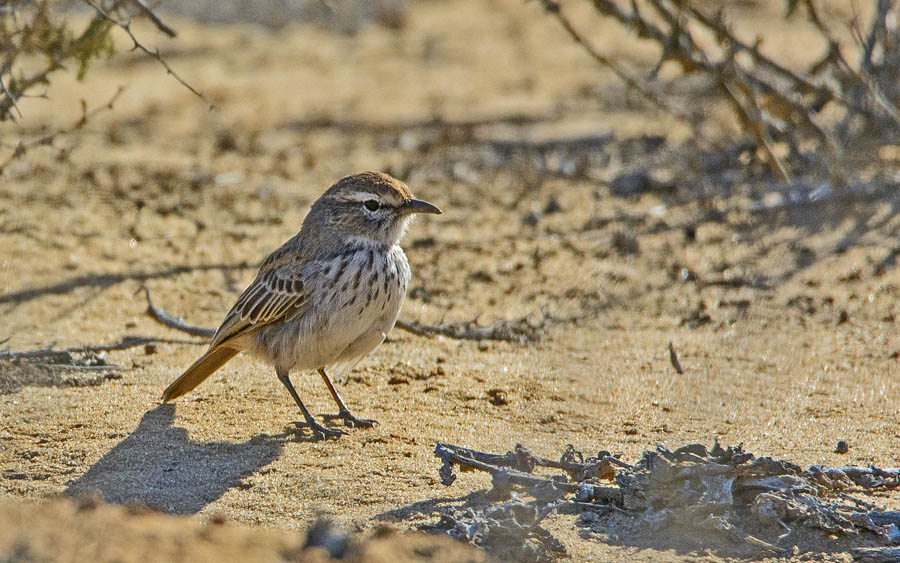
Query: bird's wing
point(276, 294)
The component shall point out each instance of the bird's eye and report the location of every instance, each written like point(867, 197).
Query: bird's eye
point(372, 205)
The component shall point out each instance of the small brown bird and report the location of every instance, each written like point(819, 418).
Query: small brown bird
point(327, 297)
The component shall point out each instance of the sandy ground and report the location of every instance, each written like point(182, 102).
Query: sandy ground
point(784, 319)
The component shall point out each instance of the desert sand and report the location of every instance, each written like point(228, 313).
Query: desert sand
point(783, 317)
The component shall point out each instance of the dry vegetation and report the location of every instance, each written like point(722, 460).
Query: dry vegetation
point(705, 250)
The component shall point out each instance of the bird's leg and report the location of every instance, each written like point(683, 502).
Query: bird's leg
point(343, 411)
point(319, 431)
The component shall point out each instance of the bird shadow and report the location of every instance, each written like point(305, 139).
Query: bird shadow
point(159, 466)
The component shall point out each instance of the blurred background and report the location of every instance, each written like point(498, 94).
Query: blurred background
point(614, 176)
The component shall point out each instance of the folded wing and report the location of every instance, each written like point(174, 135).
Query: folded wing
point(276, 294)
point(273, 296)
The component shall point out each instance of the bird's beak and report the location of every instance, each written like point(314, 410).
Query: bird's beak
point(419, 206)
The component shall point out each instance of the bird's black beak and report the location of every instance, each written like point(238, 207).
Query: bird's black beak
point(419, 206)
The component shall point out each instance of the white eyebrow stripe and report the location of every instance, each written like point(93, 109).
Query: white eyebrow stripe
point(358, 196)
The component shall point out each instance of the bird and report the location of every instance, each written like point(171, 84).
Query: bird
point(327, 297)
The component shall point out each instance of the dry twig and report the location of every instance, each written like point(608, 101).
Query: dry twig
point(518, 330)
point(673, 359)
point(154, 17)
point(165, 319)
point(690, 492)
point(778, 106)
point(631, 80)
point(137, 45)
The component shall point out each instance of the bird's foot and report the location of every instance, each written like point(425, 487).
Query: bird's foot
point(320, 432)
point(350, 420)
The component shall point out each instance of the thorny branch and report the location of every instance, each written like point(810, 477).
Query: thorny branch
point(154, 17)
point(126, 27)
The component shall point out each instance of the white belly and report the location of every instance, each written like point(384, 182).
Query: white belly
point(341, 325)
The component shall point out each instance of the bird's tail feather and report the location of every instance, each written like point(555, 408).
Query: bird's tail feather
point(198, 372)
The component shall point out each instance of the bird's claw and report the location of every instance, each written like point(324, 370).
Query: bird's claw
point(350, 420)
point(321, 432)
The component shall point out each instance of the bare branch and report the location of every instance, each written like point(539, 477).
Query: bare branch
point(7, 93)
point(56, 355)
point(168, 320)
point(634, 82)
point(147, 11)
point(126, 27)
point(508, 331)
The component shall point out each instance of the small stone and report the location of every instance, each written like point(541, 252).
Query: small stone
point(552, 206)
point(497, 397)
point(842, 447)
point(531, 218)
point(217, 519)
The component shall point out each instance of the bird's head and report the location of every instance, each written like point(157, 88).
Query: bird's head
point(369, 205)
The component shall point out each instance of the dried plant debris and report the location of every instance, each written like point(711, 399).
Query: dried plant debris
point(516, 330)
point(778, 106)
point(77, 366)
point(54, 368)
point(510, 530)
point(694, 498)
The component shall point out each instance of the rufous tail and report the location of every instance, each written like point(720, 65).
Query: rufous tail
point(198, 372)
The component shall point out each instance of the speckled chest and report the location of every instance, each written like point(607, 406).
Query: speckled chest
point(366, 286)
point(354, 297)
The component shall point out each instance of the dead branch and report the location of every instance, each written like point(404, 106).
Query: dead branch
point(57, 356)
point(515, 467)
point(631, 80)
point(518, 330)
point(137, 45)
point(506, 475)
point(178, 324)
point(154, 17)
point(691, 491)
point(776, 105)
